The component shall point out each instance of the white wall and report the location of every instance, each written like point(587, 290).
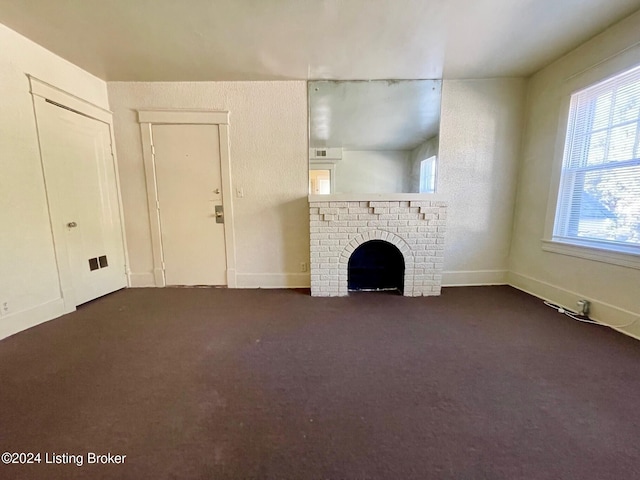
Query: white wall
point(373, 171)
point(28, 271)
point(481, 122)
point(268, 137)
point(560, 278)
point(480, 131)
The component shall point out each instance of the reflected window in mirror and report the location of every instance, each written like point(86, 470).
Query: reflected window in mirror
point(375, 134)
point(428, 168)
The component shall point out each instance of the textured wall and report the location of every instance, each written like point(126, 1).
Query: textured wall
point(28, 270)
point(268, 138)
point(563, 278)
point(480, 133)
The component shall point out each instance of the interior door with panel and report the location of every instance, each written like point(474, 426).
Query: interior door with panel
point(190, 204)
point(81, 186)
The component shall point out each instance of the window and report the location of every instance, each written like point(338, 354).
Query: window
point(428, 175)
point(599, 196)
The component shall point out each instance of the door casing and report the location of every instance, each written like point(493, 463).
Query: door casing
point(148, 118)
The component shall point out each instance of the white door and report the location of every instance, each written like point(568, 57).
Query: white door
point(83, 199)
point(187, 167)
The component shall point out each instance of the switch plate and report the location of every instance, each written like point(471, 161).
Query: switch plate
point(239, 192)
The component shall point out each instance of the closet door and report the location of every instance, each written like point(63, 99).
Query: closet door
point(82, 191)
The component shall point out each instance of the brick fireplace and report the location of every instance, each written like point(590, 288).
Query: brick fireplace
point(340, 223)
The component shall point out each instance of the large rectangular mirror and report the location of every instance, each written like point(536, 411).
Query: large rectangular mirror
point(378, 136)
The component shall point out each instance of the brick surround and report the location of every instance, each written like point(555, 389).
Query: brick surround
point(338, 227)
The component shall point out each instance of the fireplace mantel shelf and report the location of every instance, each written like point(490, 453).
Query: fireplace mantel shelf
point(377, 197)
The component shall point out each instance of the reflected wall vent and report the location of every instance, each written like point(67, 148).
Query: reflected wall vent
point(329, 154)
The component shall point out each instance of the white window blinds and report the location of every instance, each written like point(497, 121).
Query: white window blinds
point(599, 197)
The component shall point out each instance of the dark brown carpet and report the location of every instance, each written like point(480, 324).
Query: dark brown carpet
point(480, 383)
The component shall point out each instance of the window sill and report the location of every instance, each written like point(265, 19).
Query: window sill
point(629, 260)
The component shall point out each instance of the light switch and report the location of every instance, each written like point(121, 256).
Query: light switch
point(239, 192)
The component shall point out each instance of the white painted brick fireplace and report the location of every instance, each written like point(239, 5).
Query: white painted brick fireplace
point(339, 223)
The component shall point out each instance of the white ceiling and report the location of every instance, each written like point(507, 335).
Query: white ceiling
point(153, 40)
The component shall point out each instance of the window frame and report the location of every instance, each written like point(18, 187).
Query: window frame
point(434, 175)
point(588, 249)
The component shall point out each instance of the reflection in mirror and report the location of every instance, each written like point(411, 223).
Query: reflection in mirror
point(319, 181)
point(378, 136)
point(428, 175)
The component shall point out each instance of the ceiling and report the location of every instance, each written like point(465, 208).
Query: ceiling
point(172, 40)
point(373, 115)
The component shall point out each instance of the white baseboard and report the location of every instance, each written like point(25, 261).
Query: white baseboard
point(232, 278)
point(273, 280)
point(605, 313)
point(462, 278)
point(142, 279)
point(237, 280)
point(19, 321)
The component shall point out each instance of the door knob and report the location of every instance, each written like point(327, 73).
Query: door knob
point(217, 191)
point(72, 224)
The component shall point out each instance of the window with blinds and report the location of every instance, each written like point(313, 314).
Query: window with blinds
point(599, 196)
point(428, 175)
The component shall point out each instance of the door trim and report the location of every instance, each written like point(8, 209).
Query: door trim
point(69, 100)
point(181, 117)
point(148, 118)
point(42, 91)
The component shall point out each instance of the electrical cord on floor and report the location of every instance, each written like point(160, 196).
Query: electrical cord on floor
point(573, 315)
point(584, 318)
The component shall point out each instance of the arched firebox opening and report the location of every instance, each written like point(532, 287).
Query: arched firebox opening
point(376, 265)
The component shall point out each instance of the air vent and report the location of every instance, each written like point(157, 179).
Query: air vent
point(98, 262)
point(328, 154)
point(93, 264)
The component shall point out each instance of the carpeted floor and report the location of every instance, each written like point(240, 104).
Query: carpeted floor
point(480, 383)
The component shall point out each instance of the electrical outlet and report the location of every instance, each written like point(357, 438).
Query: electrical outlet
point(4, 308)
point(304, 267)
point(583, 307)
